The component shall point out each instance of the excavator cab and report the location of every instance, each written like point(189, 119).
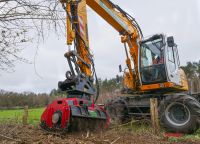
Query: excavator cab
point(152, 61)
point(159, 63)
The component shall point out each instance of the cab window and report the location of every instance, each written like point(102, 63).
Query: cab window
point(152, 53)
point(152, 67)
point(171, 58)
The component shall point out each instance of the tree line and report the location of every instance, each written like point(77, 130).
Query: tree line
point(108, 89)
point(192, 70)
point(18, 100)
point(33, 100)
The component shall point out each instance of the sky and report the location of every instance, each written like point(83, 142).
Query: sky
point(180, 18)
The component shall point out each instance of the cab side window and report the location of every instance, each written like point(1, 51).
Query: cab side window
point(177, 57)
point(171, 58)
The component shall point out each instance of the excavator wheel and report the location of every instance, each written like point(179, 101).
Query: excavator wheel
point(117, 111)
point(179, 113)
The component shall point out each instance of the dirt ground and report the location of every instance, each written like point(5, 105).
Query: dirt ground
point(15, 134)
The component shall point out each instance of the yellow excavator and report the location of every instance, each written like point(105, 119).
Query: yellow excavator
point(153, 71)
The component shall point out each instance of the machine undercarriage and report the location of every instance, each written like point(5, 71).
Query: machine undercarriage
point(177, 112)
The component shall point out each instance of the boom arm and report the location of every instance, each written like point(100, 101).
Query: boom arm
point(130, 34)
point(77, 31)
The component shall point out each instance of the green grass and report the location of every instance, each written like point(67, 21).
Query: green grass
point(146, 128)
point(194, 137)
point(16, 115)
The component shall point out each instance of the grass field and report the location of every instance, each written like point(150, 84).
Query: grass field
point(16, 115)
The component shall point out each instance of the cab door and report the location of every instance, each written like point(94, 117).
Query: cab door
point(172, 62)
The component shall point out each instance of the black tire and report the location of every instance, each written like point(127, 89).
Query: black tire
point(179, 113)
point(117, 111)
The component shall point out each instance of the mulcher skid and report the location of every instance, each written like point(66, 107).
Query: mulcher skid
point(73, 114)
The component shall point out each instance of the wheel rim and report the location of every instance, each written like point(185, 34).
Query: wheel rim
point(177, 114)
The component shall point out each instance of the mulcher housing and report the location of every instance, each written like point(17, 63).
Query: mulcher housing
point(60, 114)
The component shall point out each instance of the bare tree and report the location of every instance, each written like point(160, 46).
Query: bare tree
point(23, 20)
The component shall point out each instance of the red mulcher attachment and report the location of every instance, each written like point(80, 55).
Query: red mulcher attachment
point(74, 114)
point(77, 111)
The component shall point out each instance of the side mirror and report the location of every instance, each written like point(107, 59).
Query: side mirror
point(170, 41)
point(120, 68)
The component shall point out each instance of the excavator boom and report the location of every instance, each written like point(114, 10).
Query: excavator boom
point(121, 21)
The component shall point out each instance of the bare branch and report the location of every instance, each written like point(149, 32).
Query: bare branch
point(23, 20)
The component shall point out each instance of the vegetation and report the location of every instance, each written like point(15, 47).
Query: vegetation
point(15, 116)
point(110, 85)
point(141, 128)
point(192, 70)
point(13, 100)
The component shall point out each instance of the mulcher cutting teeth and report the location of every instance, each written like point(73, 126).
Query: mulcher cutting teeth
point(73, 114)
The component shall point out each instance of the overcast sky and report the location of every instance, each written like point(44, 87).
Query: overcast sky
point(180, 18)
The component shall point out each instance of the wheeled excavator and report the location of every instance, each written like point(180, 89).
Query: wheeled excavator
point(153, 71)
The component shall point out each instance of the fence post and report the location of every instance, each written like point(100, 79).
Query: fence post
point(25, 116)
point(154, 115)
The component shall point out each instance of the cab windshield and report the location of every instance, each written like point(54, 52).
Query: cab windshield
point(152, 67)
point(152, 53)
